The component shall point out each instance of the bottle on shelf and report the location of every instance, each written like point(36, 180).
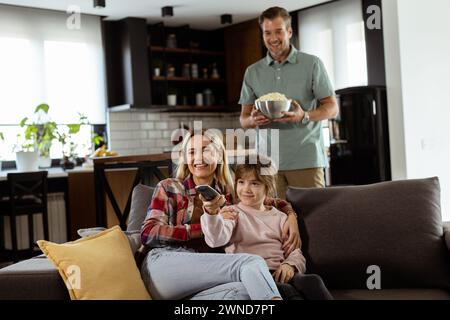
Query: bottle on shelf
point(215, 72)
point(205, 73)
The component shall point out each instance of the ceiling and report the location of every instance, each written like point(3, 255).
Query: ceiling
point(199, 14)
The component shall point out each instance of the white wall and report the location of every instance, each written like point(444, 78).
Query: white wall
point(417, 48)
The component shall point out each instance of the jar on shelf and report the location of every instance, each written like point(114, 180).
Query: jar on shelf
point(186, 69)
point(199, 99)
point(208, 97)
point(171, 41)
point(170, 71)
point(194, 70)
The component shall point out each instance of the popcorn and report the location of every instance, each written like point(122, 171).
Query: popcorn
point(273, 96)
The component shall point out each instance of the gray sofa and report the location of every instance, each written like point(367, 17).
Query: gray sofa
point(395, 226)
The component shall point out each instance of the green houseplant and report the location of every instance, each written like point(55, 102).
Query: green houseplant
point(39, 134)
point(64, 136)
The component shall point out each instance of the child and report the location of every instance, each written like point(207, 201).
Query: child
point(257, 229)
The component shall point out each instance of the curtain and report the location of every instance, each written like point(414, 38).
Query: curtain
point(44, 59)
point(335, 33)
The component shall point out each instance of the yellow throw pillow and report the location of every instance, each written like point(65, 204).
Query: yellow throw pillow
point(99, 267)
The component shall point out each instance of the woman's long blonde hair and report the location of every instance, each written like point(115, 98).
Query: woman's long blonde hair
point(222, 173)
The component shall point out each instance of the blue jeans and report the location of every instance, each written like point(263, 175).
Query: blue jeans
point(177, 273)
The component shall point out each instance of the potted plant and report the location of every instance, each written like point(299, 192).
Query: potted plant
point(171, 97)
point(157, 67)
point(40, 134)
point(64, 136)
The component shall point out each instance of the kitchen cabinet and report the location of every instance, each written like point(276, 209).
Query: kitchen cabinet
point(162, 68)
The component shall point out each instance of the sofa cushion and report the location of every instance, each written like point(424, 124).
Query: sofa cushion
point(140, 201)
point(97, 267)
point(391, 294)
point(32, 279)
point(394, 225)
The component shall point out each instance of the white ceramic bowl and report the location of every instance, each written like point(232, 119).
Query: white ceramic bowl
point(273, 109)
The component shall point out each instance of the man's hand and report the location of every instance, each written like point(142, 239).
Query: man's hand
point(258, 118)
point(294, 116)
point(213, 206)
point(284, 273)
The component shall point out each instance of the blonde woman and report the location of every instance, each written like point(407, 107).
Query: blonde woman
point(180, 264)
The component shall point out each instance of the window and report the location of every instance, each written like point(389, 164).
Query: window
point(335, 33)
point(43, 61)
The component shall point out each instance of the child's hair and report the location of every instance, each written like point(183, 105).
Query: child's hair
point(263, 169)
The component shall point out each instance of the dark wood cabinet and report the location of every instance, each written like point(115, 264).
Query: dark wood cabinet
point(145, 64)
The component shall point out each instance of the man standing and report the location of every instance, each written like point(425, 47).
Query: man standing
point(300, 77)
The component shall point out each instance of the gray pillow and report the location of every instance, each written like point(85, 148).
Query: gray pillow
point(140, 201)
point(134, 237)
point(394, 225)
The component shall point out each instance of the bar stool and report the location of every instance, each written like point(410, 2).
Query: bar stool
point(27, 196)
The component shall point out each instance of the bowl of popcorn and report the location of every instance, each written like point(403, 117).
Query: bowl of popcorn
point(273, 104)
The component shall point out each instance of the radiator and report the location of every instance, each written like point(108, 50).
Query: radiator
point(57, 227)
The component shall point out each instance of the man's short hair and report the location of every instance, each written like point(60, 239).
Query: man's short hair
point(275, 12)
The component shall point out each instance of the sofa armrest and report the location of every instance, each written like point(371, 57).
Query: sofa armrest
point(447, 234)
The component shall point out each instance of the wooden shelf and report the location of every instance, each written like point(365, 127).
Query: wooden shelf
point(159, 78)
point(186, 50)
point(206, 52)
point(193, 108)
point(208, 80)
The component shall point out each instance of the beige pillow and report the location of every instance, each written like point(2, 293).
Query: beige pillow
point(99, 267)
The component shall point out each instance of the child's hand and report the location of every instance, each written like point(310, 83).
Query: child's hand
point(213, 206)
point(229, 213)
point(284, 273)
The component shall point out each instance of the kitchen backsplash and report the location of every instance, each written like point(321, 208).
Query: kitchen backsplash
point(133, 133)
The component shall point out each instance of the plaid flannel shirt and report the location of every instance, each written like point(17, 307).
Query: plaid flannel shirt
point(168, 217)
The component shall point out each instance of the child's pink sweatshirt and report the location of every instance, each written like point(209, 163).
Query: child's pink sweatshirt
point(256, 232)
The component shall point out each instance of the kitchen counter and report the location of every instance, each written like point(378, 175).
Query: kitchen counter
point(55, 172)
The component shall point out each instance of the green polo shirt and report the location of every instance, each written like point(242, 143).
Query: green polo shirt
point(301, 77)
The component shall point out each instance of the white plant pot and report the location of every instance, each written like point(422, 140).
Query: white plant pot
point(27, 161)
point(172, 100)
point(45, 162)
